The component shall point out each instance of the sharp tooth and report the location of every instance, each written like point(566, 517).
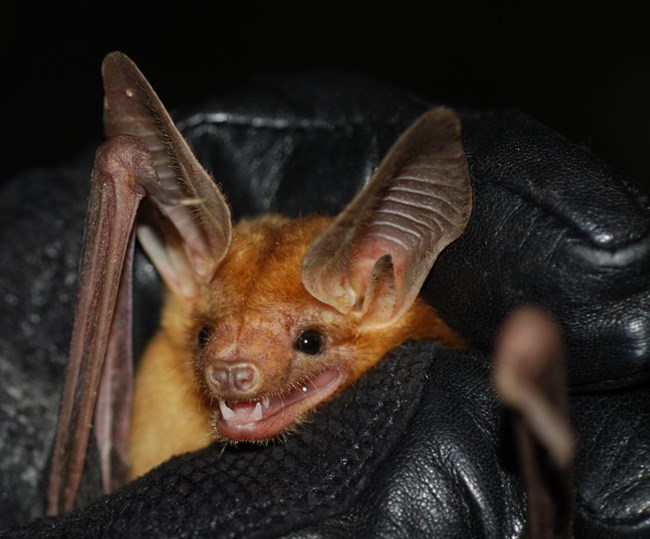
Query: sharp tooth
point(226, 412)
point(266, 402)
point(257, 413)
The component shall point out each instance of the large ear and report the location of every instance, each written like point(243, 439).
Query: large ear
point(188, 252)
point(145, 159)
point(375, 256)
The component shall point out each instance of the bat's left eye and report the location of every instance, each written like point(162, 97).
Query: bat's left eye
point(309, 342)
point(204, 336)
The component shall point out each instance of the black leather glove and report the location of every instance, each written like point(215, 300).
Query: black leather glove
point(419, 447)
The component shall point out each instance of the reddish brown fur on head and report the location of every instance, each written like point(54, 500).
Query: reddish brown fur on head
point(298, 309)
point(246, 326)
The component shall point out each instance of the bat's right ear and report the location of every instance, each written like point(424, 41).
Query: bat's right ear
point(374, 257)
point(192, 231)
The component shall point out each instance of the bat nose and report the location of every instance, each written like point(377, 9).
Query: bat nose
point(229, 378)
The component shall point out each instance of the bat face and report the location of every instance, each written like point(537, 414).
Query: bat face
point(267, 351)
point(263, 351)
point(263, 320)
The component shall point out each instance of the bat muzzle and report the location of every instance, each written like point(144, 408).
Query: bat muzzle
point(233, 380)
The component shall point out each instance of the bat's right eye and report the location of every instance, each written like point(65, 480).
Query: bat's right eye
point(204, 336)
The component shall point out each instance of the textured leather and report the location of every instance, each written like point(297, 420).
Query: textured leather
point(343, 462)
point(556, 227)
point(420, 447)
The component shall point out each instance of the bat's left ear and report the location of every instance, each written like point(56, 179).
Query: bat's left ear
point(192, 231)
point(375, 256)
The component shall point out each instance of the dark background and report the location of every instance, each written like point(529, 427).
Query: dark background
point(586, 74)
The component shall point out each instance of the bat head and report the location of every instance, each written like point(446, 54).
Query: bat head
point(289, 312)
point(277, 314)
point(266, 350)
point(299, 309)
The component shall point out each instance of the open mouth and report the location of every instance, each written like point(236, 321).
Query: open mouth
point(267, 417)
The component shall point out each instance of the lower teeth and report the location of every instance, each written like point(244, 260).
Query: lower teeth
point(256, 414)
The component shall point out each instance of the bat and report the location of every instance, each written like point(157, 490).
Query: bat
point(263, 320)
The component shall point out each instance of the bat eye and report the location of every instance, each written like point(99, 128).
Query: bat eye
point(309, 342)
point(204, 336)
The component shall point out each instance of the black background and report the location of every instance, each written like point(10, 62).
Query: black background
point(586, 74)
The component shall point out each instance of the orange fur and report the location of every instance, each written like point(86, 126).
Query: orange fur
point(253, 306)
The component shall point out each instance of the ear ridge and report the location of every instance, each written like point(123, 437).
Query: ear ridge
point(185, 192)
point(418, 201)
point(382, 292)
